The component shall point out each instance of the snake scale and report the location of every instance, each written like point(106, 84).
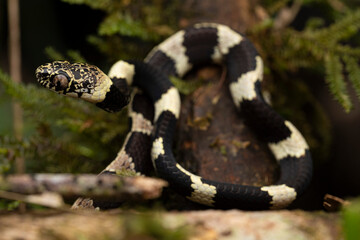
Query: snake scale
point(153, 121)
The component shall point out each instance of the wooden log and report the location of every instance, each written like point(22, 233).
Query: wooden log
point(210, 224)
point(110, 188)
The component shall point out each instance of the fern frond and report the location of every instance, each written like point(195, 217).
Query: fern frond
point(53, 54)
point(346, 50)
point(353, 70)
point(335, 80)
point(125, 25)
point(342, 29)
point(312, 47)
point(102, 5)
point(75, 56)
point(72, 55)
point(32, 98)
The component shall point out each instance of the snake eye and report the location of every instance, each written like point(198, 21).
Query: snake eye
point(61, 82)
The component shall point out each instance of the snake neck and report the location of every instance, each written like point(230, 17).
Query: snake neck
point(134, 73)
point(117, 97)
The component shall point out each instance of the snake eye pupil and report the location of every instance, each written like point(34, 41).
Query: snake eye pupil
point(61, 82)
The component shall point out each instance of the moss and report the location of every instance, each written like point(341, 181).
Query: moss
point(185, 87)
point(150, 226)
point(351, 220)
point(316, 48)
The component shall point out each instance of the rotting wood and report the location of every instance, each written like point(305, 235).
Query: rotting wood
point(213, 140)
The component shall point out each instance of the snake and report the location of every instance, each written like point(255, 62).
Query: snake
point(154, 107)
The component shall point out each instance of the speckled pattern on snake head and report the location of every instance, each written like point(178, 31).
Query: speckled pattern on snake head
point(78, 80)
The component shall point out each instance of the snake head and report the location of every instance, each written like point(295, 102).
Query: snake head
point(78, 80)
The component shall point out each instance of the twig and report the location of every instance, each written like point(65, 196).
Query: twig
point(333, 203)
point(15, 71)
point(287, 15)
point(109, 188)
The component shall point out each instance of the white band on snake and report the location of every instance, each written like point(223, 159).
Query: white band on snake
point(202, 43)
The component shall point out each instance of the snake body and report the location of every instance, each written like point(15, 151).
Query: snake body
point(153, 121)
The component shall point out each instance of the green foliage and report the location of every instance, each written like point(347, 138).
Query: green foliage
point(148, 225)
point(71, 135)
point(125, 25)
point(325, 45)
point(353, 71)
point(103, 4)
point(72, 55)
point(351, 220)
point(53, 54)
point(322, 44)
point(68, 135)
point(185, 87)
point(335, 79)
point(317, 47)
point(9, 205)
point(128, 23)
point(10, 149)
point(126, 173)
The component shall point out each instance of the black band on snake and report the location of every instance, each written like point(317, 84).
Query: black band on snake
point(203, 43)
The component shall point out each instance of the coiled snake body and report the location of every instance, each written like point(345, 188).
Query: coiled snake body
point(202, 43)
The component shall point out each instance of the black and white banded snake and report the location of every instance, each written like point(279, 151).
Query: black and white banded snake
point(202, 43)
